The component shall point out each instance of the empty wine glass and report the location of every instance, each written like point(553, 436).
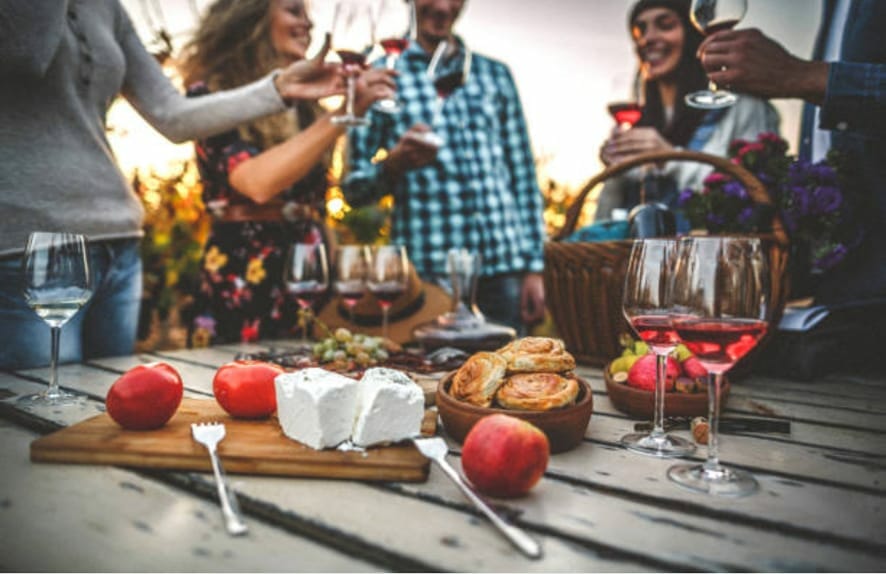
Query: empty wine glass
point(711, 16)
point(647, 306)
point(307, 278)
point(351, 272)
point(57, 283)
point(395, 29)
point(720, 299)
point(353, 36)
point(388, 278)
point(446, 81)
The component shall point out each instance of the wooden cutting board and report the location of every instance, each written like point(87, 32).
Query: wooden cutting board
point(249, 447)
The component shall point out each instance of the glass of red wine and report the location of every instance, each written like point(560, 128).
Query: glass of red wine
point(388, 278)
point(353, 36)
point(711, 16)
point(626, 114)
point(446, 81)
point(307, 279)
point(646, 305)
point(720, 296)
point(395, 29)
point(351, 271)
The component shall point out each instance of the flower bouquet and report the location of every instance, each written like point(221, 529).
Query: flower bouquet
point(815, 201)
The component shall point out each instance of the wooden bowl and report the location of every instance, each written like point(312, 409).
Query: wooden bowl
point(639, 403)
point(565, 428)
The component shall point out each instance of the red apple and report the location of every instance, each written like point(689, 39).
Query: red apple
point(642, 373)
point(504, 456)
point(693, 369)
point(145, 397)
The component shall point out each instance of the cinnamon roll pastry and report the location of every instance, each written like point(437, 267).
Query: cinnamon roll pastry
point(537, 354)
point(478, 379)
point(537, 392)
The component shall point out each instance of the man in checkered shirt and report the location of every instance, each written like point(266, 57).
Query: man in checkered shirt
point(477, 190)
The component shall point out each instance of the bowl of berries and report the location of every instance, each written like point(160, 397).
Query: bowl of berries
point(630, 382)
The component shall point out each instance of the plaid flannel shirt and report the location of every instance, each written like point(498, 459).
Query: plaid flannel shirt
point(480, 193)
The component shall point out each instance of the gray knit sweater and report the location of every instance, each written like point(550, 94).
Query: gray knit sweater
point(62, 62)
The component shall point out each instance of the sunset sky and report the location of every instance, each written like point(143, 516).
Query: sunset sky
point(569, 58)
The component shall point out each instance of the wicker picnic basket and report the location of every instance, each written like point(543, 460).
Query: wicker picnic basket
point(584, 280)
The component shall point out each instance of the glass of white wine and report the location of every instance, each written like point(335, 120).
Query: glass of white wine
point(56, 284)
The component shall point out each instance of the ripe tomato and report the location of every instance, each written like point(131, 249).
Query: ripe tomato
point(145, 397)
point(245, 389)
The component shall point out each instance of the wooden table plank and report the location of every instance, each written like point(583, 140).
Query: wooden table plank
point(81, 519)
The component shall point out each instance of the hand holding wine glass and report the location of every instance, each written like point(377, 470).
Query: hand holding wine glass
point(57, 283)
point(721, 297)
point(711, 16)
point(351, 273)
point(353, 36)
point(388, 278)
point(395, 29)
point(647, 306)
point(307, 278)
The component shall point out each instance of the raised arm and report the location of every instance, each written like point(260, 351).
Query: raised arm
point(30, 34)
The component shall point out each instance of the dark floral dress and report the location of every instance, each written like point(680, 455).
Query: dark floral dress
point(241, 295)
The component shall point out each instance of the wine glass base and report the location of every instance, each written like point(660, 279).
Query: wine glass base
point(388, 106)
point(720, 482)
point(707, 100)
point(349, 121)
point(58, 398)
point(665, 446)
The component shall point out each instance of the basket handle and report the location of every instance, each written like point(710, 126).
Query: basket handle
point(756, 189)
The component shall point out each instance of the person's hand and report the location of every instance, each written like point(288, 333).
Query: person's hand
point(532, 299)
point(748, 61)
point(412, 151)
point(624, 145)
point(373, 85)
point(311, 79)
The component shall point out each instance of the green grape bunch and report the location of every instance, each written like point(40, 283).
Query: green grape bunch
point(343, 350)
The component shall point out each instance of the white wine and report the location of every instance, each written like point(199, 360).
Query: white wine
point(57, 313)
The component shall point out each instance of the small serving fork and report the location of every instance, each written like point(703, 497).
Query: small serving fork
point(435, 449)
point(209, 435)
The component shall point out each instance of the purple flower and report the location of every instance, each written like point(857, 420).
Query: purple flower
point(745, 215)
point(715, 221)
point(685, 197)
point(205, 322)
point(735, 189)
point(827, 199)
point(830, 258)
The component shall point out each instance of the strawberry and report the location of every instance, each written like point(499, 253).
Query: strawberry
point(693, 369)
point(642, 373)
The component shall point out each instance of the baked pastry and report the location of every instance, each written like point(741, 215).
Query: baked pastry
point(537, 355)
point(478, 378)
point(537, 392)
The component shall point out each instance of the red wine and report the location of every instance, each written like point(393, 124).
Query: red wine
point(394, 46)
point(626, 112)
point(718, 26)
point(448, 83)
point(387, 291)
point(307, 292)
point(351, 59)
point(719, 343)
point(350, 291)
point(657, 330)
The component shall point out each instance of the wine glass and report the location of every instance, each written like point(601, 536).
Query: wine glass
point(395, 28)
point(307, 278)
point(351, 272)
point(625, 113)
point(446, 81)
point(720, 299)
point(388, 278)
point(353, 36)
point(711, 16)
point(646, 305)
point(57, 283)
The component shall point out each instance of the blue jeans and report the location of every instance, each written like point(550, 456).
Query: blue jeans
point(105, 326)
point(498, 297)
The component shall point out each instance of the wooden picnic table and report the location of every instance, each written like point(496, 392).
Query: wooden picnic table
point(598, 508)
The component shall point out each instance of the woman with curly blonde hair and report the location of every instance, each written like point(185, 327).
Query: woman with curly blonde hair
point(264, 183)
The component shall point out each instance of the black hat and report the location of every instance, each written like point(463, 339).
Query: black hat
point(681, 7)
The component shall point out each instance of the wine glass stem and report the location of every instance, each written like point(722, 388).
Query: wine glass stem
point(660, 377)
point(438, 113)
point(384, 321)
point(713, 461)
point(351, 87)
point(351, 313)
point(391, 61)
point(53, 390)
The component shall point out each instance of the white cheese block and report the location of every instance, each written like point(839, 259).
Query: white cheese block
point(316, 407)
point(390, 408)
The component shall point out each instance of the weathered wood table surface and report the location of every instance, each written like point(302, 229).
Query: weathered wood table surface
point(598, 508)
